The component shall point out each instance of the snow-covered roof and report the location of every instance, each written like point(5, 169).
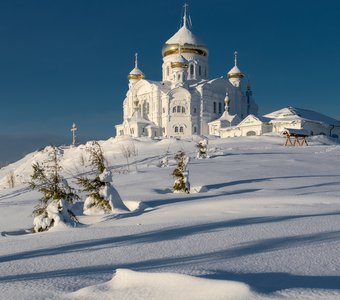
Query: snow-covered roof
point(235, 70)
point(184, 36)
point(231, 119)
point(136, 118)
point(180, 59)
point(294, 131)
point(292, 113)
point(251, 116)
point(136, 71)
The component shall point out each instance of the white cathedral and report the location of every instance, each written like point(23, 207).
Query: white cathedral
point(186, 102)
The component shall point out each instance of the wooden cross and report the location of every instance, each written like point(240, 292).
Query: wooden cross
point(74, 129)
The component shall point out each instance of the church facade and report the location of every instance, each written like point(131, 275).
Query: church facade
point(186, 100)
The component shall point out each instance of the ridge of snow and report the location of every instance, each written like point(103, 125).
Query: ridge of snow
point(184, 36)
point(294, 113)
point(127, 284)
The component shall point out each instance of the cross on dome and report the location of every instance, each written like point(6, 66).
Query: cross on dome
point(136, 73)
point(185, 14)
point(185, 38)
point(235, 57)
point(235, 72)
point(136, 60)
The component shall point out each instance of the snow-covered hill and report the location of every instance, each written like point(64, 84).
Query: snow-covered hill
point(266, 217)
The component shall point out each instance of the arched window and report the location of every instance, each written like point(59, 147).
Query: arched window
point(205, 73)
point(181, 129)
point(179, 77)
point(176, 129)
point(195, 129)
point(167, 71)
point(195, 110)
point(214, 107)
point(178, 109)
point(191, 69)
point(199, 71)
point(219, 107)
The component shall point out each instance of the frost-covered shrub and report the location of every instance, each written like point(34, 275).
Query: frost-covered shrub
point(181, 174)
point(130, 150)
point(56, 212)
point(102, 197)
point(164, 161)
point(202, 149)
point(53, 206)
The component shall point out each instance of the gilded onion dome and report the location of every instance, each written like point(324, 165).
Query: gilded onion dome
point(179, 61)
point(186, 39)
point(136, 73)
point(235, 71)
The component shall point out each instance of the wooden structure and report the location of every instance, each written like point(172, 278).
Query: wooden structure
point(299, 136)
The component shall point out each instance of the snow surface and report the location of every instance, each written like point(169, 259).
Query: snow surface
point(263, 215)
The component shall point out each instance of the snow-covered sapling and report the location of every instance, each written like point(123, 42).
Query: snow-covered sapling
point(181, 184)
point(202, 149)
point(10, 179)
point(54, 206)
point(102, 197)
point(164, 161)
point(130, 150)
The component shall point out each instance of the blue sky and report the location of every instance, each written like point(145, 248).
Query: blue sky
point(67, 61)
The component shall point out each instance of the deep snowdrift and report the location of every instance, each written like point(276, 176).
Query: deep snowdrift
point(264, 215)
point(127, 284)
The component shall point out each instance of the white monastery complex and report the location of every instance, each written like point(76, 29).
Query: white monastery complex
point(186, 102)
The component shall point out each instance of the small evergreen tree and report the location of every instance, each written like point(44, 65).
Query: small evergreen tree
point(101, 195)
point(181, 184)
point(57, 194)
point(202, 149)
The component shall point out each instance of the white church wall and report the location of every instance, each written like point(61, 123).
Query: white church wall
point(280, 126)
point(202, 99)
point(230, 132)
point(316, 128)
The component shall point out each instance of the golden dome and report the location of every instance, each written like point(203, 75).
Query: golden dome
point(188, 42)
point(169, 49)
point(235, 71)
point(179, 61)
point(136, 73)
point(136, 76)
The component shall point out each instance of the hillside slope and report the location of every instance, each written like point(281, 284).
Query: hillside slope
point(268, 217)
